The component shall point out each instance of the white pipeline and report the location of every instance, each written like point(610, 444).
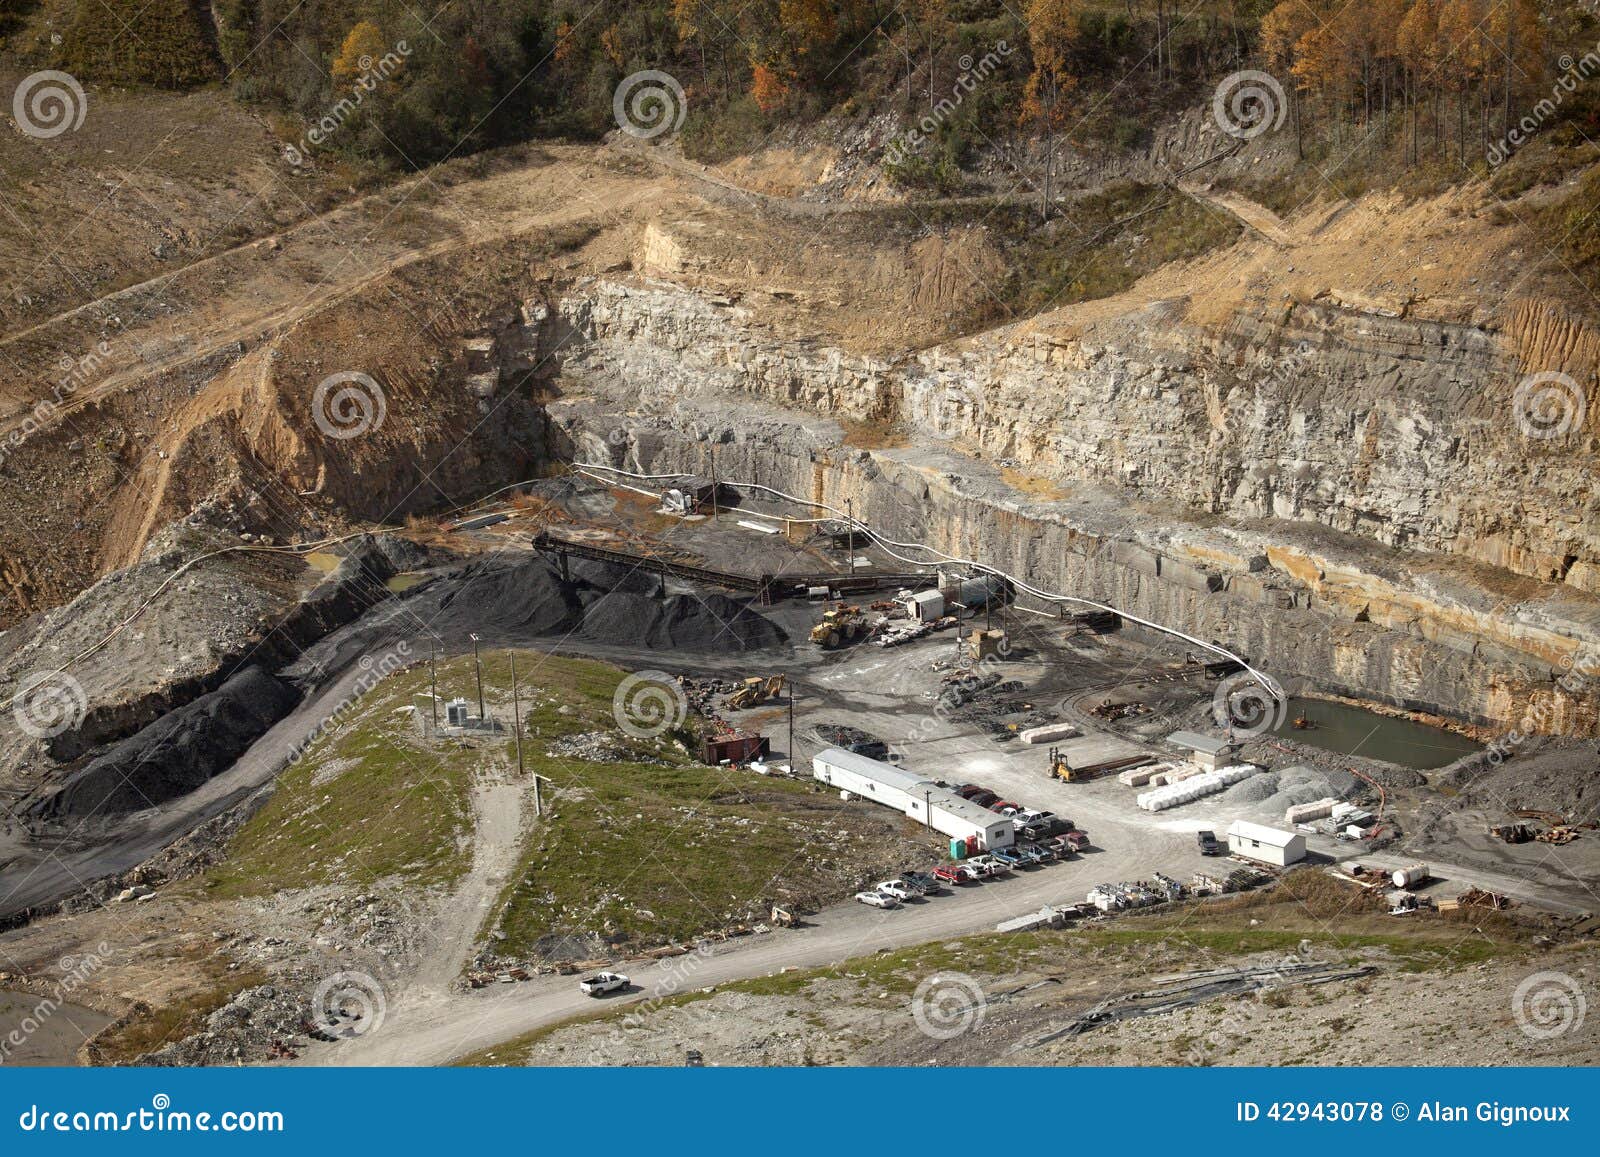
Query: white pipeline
point(1266, 681)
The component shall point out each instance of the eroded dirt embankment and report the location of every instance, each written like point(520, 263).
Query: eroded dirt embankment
point(1310, 457)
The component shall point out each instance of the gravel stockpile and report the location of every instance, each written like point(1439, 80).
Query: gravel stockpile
point(178, 752)
point(1253, 790)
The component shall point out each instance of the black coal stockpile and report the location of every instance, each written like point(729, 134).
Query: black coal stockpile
point(522, 598)
point(687, 622)
point(178, 752)
point(625, 607)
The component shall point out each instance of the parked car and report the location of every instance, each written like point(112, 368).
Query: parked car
point(968, 790)
point(983, 798)
point(1026, 818)
point(1078, 840)
point(921, 881)
point(1004, 806)
point(1208, 844)
point(1044, 829)
point(899, 889)
point(1062, 846)
point(878, 899)
point(949, 873)
point(1028, 855)
point(974, 870)
point(1045, 851)
point(603, 982)
point(1007, 856)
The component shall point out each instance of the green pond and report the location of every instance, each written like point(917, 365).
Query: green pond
point(1357, 731)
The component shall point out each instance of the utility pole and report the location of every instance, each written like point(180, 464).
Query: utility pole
point(516, 717)
point(478, 663)
point(791, 727)
point(850, 535)
point(433, 679)
point(714, 510)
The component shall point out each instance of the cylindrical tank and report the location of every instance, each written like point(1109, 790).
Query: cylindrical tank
point(1410, 877)
point(976, 593)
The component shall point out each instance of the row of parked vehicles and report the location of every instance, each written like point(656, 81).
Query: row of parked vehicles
point(1045, 850)
point(1028, 824)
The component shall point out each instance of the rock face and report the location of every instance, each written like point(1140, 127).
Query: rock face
point(1345, 496)
point(1398, 431)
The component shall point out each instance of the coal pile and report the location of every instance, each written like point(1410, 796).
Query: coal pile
point(524, 598)
point(178, 752)
point(711, 622)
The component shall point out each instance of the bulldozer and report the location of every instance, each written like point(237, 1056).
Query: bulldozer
point(839, 625)
point(755, 691)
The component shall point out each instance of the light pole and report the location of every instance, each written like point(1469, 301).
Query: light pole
point(850, 534)
point(433, 681)
point(478, 664)
point(516, 714)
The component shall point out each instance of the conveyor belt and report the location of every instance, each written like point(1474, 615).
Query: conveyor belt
point(766, 587)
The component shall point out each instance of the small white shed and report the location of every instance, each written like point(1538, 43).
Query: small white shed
point(1269, 845)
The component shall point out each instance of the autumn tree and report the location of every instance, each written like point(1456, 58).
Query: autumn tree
point(1052, 25)
point(1418, 47)
point(362, 45)
point(1281, 31)
point(767, 88)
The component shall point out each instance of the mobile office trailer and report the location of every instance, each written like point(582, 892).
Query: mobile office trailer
point(946, 812)
point(913, 795)
point(1268, 845)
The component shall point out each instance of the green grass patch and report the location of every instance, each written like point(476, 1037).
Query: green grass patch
point(370, 800)
point(648, 851)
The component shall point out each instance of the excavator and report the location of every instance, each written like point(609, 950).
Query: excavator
point(755, 691)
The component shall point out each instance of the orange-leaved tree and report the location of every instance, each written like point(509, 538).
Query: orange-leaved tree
point(1052, 27)
point(363, 45)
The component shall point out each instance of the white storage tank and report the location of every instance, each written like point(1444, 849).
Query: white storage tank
point(1410, 877)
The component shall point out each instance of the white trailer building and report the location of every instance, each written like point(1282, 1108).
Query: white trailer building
point(913, 795)
point(1269, 845)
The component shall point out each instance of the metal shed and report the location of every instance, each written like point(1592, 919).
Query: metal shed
point(1269, 845)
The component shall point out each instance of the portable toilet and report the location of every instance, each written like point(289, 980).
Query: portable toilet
point(958, 849)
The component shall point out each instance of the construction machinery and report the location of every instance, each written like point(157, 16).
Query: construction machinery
point(841, 624)
point(1061, 769)
point(756, 690)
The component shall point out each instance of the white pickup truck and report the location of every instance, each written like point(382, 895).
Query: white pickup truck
point(603, 982)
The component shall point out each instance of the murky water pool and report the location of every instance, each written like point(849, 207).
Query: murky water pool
point(1357, 731)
